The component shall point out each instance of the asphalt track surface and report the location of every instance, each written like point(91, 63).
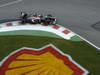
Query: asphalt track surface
point(77, 15)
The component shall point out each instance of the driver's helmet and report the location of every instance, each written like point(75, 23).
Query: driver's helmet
point(35, 14)
point(49, 16)
point(40, 16)
point(23, 13)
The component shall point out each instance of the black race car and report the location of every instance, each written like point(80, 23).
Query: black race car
point(37, 19)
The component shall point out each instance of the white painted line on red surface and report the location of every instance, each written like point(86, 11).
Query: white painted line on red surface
point(37, 27)
point(10, 3)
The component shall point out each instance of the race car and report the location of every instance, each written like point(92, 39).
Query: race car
point(25, 18)
point(50, 20)
point(38, 19)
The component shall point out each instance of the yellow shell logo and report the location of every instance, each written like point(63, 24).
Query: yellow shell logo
point(45, 61)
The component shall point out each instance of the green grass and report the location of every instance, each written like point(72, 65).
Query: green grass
point(81, 52)
point(76, 38)
point(30, 33)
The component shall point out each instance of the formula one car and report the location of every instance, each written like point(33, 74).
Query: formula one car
point(37, 19)
point(50, 20)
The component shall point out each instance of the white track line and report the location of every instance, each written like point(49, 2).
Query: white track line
point(10, 3)
point(98, 48)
